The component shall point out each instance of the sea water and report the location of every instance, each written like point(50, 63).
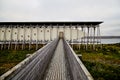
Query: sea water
point(110, 41)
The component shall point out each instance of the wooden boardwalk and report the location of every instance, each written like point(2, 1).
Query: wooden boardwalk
point(55, 61)
point(58, 68)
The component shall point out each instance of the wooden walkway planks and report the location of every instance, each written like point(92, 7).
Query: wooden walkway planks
point(57, 69)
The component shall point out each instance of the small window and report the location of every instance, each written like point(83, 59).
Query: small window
point(21, 35)
point(34, 33)
point(47, 30)
point(8, 30)
point(2, 31)
point(41, 30)
point(28, 36)
point(15, 32)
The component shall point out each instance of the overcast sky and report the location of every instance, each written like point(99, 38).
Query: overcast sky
point(64, 10)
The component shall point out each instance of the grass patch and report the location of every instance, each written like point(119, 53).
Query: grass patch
point(103, 64)
point(9, 58)
point(103, 72)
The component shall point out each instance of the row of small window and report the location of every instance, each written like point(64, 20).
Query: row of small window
point(41, 31)
point(28, 35)
point(27, 40)
point(21, 36)
point(8, 31)
point(21, 27)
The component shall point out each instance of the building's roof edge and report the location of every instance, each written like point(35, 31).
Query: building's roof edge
point(56, 22)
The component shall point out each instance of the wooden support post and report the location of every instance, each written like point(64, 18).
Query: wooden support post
point(30, 41)
point(99, 36)
point(11, 36)
point(50, 32)
point(82, 37)
point(5, 37)
point(64, 31)
point(91, 36)
point(85, 38)
point(44, 34)
point(94, 38)
point(88, 38)
point(18, 36)
point(78, 39)
point(24, 37)
point(40, 32)
point(72, 36)
point(15, 40)
point(37, 38)
point(2, 45)
point(9, 40)
point(97, 31)
point(0, 38)
point(57, 30)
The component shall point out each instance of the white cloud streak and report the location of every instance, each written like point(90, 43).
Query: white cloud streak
point(64, 10)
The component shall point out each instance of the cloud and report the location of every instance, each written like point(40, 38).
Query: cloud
point(64, 10)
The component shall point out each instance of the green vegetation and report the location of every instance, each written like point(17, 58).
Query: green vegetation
point(103, 64)
point(9, 58)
